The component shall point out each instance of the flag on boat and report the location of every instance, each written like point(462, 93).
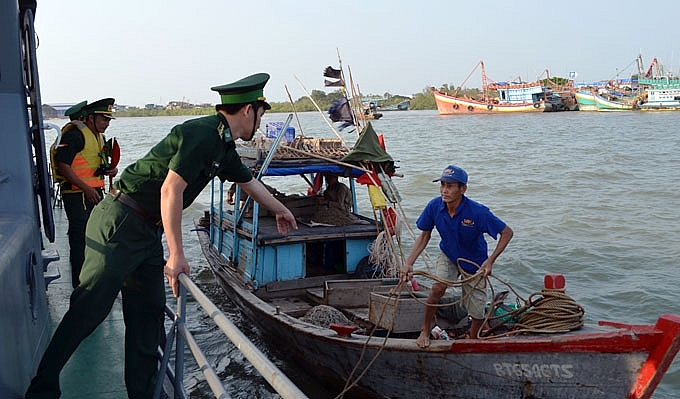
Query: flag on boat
point(341, 112)
point(332, 73)
point(369, 150)
point(328, 83)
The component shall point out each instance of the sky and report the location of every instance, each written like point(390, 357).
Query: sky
point(156, 51)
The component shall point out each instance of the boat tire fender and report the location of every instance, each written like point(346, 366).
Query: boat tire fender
point(455, 106)
point(470, 108)
point(536, 105)
point(489, 107)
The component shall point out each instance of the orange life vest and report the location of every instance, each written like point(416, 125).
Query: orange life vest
point(86, 162)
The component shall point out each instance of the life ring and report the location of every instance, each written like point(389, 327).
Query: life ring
point(455, 106)
point(536, 105)
point(470, 108)
point(489, 107)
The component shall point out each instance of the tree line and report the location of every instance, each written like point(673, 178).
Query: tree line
point(420, 101)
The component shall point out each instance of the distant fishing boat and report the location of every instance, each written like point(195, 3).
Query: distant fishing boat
point(498, 97)
point(605, 104)
point(661, 99)
point(402, 106)
point(562, 101)
point(590, 101)
point(662, 91)
point(370, 110)
point(586, 101)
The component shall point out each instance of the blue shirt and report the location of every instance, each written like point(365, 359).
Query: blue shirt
point(462, 236)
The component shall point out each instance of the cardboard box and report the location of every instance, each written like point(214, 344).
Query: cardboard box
point(401, 314)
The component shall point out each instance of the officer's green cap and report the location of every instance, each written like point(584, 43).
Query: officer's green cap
point(101, 107)
point(75, 111)
point(246, 90)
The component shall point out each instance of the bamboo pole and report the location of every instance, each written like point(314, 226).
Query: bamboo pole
point(321, 112)
point(355, 121)
point(356, 104)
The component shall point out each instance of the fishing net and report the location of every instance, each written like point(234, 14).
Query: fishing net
point(326, 147)
point(331, 215)
point(324, 316)
point(382, 254)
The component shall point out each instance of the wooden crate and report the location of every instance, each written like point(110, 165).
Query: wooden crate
point(401, 314)
point(349, 293)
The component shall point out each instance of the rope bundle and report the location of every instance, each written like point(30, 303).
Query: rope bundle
point(554, 312)
point(547, 311)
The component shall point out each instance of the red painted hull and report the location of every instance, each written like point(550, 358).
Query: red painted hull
point(451, 105)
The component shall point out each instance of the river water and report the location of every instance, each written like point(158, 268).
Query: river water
point(590, 195)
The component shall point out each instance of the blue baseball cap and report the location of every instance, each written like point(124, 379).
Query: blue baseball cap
point(453, 174)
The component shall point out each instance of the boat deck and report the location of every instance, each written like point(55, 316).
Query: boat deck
point(96, 368)
point(350, 295)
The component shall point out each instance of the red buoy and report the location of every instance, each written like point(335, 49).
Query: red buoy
point(343, 331)
point(554, 282)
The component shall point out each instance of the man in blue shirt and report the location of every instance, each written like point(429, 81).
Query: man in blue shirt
point(461, 223)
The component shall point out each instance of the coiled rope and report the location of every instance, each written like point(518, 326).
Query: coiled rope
point(546, 312)
point(552, 311)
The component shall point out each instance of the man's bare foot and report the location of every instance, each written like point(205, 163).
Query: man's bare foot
point(424, 339)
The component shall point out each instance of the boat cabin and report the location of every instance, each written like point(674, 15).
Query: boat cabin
point(520, 93)
point(330, 238)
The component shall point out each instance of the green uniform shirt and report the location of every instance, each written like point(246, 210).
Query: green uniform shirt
point(197, 150)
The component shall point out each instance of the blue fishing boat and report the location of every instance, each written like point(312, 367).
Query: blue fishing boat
point(323, 300)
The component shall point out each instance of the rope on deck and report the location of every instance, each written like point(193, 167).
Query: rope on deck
point(545, 312)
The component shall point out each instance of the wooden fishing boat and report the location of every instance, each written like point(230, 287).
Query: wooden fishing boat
point(453, 105)
point(561, 101)
point(591, 101)
point(611, 103)
point(586, 101)
point(364, 341)
point(497, 97)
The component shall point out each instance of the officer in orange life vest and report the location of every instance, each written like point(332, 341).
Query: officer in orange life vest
point(78, 168)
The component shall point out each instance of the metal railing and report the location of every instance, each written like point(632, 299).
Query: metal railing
point(180, 335)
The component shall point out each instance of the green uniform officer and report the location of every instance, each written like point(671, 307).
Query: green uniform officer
point(78, 167)
point(75, 112)
point(124, 250)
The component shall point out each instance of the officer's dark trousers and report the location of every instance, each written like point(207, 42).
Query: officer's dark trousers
point(78, 210)
point(123, 253)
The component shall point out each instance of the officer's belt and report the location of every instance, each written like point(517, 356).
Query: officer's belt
point(130, 203)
